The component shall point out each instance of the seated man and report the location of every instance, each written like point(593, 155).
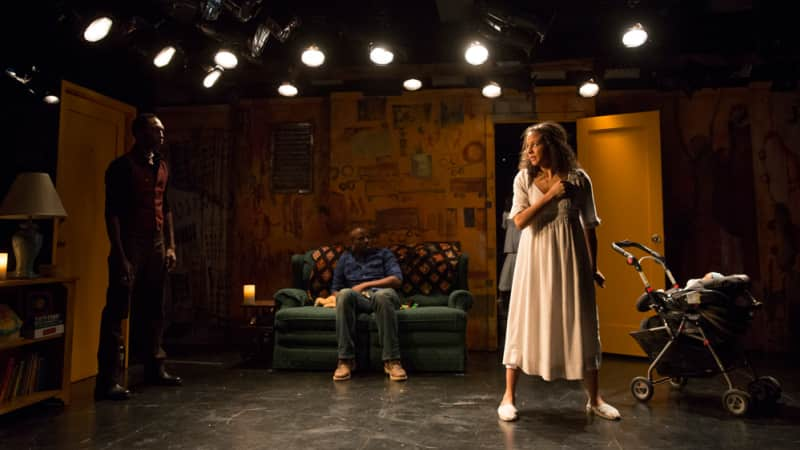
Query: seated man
point(363, 282)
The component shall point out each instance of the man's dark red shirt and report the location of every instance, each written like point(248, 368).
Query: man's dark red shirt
point(136, 192)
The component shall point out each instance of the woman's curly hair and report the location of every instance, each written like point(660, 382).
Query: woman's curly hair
point(556, 148)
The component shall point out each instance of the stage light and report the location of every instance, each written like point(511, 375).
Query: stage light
point(287, 89)
point(211, 9)
point(313, 56)
point(492, 90)
point(23, 78)
point(51, 99)
point(634, 36)
point(412, 84)
point(212, 77)
point(476, 54)
point(164, 57)
point(98, 29)
point(259, 39)
point(589, 88)
point(381, 55)
point(226, 59)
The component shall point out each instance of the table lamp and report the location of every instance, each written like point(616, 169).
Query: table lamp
point(32, 196)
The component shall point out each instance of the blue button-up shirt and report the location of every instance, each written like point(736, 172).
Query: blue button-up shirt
point(375, 264)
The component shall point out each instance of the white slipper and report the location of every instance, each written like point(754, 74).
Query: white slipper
point(507, 412)
point(605, 411)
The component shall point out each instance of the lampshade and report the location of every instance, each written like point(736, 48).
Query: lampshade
point(32, 196)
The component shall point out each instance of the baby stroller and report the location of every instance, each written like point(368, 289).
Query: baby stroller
point(695, 332)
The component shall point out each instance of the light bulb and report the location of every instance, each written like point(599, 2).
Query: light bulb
point(164, 56)
point(476, 54)
point(412, 84)
point(313, 56)
point(226, 59)
point(635, 36)
point(589, 89)
point(492, 90)
point(212, 78)
point(287, 89)
point(381, 56)
point(98, 29)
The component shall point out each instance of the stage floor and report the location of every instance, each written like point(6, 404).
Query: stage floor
point(227, 405)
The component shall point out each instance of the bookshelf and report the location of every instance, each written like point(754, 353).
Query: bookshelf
point(45, 372)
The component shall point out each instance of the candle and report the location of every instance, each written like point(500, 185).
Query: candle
point(3, 265)
point(250, 293)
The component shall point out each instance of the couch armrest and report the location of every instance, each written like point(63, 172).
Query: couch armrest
point(291, 298)
point(460, 299)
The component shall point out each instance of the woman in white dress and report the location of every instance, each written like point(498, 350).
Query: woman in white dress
point(552, 321)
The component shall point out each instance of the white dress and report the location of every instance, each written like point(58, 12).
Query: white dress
point(552, 320)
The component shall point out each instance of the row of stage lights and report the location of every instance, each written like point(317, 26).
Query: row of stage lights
point(475, 54)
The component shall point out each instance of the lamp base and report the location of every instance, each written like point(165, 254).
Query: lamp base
point(26, 243)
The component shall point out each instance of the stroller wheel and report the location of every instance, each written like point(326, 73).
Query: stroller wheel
point(678, 382)
point(642, 389)
point(736, 402)
point(765, 389)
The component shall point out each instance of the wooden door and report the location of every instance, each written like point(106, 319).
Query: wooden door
point(93, 130)
point(622, 154)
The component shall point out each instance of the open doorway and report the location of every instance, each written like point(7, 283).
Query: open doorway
point(507, 144)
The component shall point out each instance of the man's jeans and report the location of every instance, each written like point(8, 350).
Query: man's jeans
point(383, 302)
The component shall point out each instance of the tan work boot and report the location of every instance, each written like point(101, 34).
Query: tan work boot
point(395, 370)
point(343, 369)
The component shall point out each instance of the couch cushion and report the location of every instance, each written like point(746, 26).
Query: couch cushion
point(324, 261)
point(431, 318)
point(311, 318)
point(428, 267)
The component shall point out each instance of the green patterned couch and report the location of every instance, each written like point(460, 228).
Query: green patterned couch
point(432, 331)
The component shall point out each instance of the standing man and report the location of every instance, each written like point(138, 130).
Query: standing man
point(364, 282)
point(139, 225)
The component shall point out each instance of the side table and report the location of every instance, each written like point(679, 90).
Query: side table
point(257, 331)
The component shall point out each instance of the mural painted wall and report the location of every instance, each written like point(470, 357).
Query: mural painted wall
point(730, 170)
point(414, 168)
point(268, 227)
point(198, 147)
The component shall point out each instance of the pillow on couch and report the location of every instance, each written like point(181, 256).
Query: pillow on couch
point(428, 268)
point(324, 262)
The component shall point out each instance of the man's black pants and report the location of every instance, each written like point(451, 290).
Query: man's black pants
point(147, 255)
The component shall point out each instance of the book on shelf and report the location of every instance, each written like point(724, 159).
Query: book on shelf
point(25, 377)
point(43, 325)
point(18, 376)
point(45, 331)
point(42, 318)
point(8, 374)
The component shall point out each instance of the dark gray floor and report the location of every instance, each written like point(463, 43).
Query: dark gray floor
point(226, 406)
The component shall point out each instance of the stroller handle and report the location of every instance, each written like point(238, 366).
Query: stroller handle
point(620, 247)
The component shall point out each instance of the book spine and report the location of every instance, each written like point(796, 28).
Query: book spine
point(18, 376)
point(9, 372)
